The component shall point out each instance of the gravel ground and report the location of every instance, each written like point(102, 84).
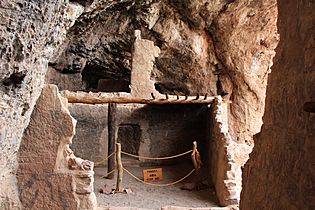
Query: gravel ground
point(144, 196)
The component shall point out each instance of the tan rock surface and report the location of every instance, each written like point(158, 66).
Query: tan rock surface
point(280, 172)
point(30, 31)
point(245, 38)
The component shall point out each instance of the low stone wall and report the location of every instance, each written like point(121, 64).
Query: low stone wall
point(167, 130)
point(49, 175)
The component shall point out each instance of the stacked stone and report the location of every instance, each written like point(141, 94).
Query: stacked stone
point(49, 175)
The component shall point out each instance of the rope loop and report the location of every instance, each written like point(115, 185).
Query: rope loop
point(97, 163)
point(112, 171)
point(159, 185)
point(157, 158)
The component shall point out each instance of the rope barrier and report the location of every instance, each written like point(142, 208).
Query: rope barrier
point(102, 161)
point(112, 171)
point(194, 155)
point(159, 185)
point(158, 158)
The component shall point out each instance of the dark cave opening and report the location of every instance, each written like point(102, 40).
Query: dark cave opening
point(96, 79)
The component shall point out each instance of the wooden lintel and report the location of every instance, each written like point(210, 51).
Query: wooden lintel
point(89, 99)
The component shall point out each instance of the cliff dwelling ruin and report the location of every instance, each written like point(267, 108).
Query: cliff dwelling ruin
point(150, 124)
point(157, 104)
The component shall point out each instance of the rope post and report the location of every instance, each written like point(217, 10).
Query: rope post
point(119, 169)
point(195, 156)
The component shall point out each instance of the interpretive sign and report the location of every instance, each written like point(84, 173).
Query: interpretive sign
point(152, 175)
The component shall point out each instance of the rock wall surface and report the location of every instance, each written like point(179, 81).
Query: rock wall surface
point(29, 33)
point(280, 172)
point(222, 47)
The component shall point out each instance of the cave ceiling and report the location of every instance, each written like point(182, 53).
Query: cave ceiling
point(101, 41)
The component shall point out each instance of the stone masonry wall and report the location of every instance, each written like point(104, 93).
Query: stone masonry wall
point(219, 47)
point(280, 173)
point(90, 140)
point(163, 130)
point(49, 174)
point(226, 156)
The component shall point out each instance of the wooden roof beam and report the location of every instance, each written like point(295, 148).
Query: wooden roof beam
point(171, 99)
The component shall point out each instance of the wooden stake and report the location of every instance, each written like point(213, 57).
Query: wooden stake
point(195, 156)
point(120, 171)
point(111, 138)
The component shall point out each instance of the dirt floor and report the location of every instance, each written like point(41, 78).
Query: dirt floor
point(151, 197)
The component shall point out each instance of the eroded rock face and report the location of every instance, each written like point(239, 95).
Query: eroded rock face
point(49, 174)
point(219, 47)
point(29, 33)
point(280, 172)
point(245, 38)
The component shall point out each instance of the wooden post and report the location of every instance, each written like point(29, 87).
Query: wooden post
point(119, 168)
point(111, 138)
point(195, 156)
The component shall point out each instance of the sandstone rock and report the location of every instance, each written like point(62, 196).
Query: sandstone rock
point(30, 31)
point(245, 37)
point(280, 172)
point(49, 175)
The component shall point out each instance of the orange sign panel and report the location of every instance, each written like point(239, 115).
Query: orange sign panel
point(152, 175)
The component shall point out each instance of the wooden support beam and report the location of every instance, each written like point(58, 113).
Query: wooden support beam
point(112, 107)
point(94, 99)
